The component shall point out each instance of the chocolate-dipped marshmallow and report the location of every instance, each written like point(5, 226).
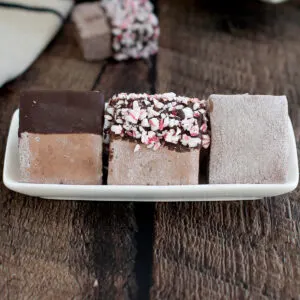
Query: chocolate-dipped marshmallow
point(60, 137)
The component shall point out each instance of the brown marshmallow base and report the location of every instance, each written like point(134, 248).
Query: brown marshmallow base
point(61, 158)
point(93, 31)
point(148, 167)
point(96, 47)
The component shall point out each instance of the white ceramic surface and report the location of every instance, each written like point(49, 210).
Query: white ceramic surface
point(142, 193)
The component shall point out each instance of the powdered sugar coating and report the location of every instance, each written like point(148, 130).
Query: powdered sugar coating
point(135, 28)
point(158, 120)
point(25, 156)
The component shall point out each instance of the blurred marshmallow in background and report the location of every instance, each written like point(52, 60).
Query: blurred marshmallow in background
point(135, 28)
point(93, 31)
point(123, 29)
point(26, 28)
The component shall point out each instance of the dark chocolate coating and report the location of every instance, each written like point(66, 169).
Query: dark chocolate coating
point(61, 112)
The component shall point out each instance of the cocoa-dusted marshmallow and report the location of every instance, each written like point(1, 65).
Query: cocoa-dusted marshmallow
point(168, 130)
point(250, 139)
point(60, 137)
point(92, 30)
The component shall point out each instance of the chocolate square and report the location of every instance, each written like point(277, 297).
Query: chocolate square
point(61, 112)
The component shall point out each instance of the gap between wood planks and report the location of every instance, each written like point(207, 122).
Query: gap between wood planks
point(144, 212)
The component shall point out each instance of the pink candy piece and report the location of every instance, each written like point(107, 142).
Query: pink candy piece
point(158, 104)
point(145, 139)
point(154, 123)
point(161, 124)
point(185, 137)
point(145, 123)
point(194, 142)
point(188, 112)
point(134, 116)
point(153, 140)
point(156, 146)
point(205, 141)
point(166, 122)
point(194, 131)
point(117, 129)
point(203, 127)
point(137, 148)
point(143, 114)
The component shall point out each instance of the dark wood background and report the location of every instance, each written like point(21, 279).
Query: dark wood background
point(205, 250)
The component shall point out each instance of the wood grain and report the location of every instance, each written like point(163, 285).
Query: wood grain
point(38, 256)
point(229, 250)
point(129, 77)
point(66, 249)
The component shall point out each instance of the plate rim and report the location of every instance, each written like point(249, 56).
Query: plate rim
point(62, 190)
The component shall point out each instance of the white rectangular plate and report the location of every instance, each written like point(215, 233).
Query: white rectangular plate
point(205, 192)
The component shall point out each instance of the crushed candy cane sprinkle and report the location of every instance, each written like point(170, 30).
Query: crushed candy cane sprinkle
point(156, 120)
point(135, 28)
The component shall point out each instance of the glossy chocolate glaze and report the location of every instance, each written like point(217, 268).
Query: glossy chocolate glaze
point(61, 112)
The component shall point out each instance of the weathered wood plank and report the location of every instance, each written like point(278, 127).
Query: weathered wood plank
point(38, 256)
point(65, 249)
point(226, 250)
point(47, 247)
point(106, 233)
point(229, 250)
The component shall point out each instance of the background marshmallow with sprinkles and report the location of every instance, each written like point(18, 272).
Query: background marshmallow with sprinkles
point(122, 29)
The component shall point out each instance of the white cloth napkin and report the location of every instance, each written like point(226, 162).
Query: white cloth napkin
point(26, 28)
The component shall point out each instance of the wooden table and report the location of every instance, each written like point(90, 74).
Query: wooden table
point(205, 250)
